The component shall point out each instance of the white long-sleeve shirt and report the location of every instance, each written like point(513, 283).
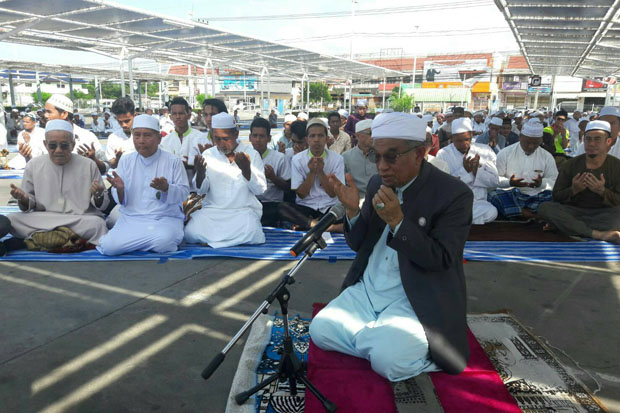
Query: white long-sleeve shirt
point(225, 186)
point(485, 178)
point(137, 173)
point(512, 160)
point(573, 132)
point(119, 141)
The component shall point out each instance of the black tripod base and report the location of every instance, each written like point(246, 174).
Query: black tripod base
point(293, 370)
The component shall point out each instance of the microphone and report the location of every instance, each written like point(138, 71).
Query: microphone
point(334, 214)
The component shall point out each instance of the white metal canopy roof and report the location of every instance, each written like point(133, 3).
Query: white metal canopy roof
point(27, 70)
point(566, 37)
point(113, 30)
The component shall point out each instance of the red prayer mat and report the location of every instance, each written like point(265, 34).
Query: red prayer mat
point(354, 387)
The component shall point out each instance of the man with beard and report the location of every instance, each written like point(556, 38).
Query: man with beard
point(586, 195)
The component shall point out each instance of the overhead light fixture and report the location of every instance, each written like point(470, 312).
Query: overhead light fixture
point(178, 23)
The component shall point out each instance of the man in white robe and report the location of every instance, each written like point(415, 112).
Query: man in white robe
point(57, 190)
point(474, 164)
point(166, 126)
point(97, 125)
point(30, 142)
point(150, 186)
point(527, 174)
point(231, 175)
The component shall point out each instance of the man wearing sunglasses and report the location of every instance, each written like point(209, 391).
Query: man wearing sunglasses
point(403, 305)
point(559, 131)
point(55, 192)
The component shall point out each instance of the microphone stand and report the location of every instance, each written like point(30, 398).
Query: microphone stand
point(290, 367)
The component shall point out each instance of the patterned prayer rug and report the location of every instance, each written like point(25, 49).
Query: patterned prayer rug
point(536, 380)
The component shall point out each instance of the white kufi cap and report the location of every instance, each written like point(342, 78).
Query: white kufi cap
point(290, 118)
point(59, 124)
point(497, 121)
point(61, 102)
point(363, 125)
point(146, 121)
point(223, 120)
point(302, 115)
point(610, 110)
point(599, 125)
point(399, 125)
point(461, 125)
point(533, 128)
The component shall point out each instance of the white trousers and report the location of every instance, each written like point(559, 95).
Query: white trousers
point(131, 233)
point(483, 212)
point(393, 341)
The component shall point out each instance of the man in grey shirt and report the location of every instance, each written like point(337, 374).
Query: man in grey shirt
point(355, 161)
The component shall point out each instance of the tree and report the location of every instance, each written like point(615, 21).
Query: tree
point(200, 98)
point(402, 104)
point(44, 97)
point(318, 91)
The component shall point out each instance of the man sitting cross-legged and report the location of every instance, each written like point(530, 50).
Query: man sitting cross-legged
point(474, 164)
point(150, 186)
point(277, 171)
point(56, 191)
point(309, 170)
point(230, 175)
point(586, 195)
point(527, 173)
point(403, 304)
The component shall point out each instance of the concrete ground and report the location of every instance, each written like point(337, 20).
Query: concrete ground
point(134, 336)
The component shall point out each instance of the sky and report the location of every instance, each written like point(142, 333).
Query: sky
point(404, 26)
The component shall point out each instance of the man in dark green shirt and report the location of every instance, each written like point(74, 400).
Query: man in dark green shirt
point(586, 195)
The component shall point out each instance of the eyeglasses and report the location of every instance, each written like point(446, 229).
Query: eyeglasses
point(63, 146)
point(390, 158)
point(562, 119)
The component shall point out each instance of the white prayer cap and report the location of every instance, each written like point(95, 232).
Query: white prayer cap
point(290, 118)
point(107, 110)
point(533, 128)
point(479, 113)
point(222, 120)
point(610, 110)
point(497, 121)
point(343, 113)
point(362, 102)
point(316, 121)
point(363, 125)
point(94, 114)
point(399, 125)
point(61, 102)
point(592, 114)
point(427, 118)
point(583, 119)
point(146, 121)
point(461, 125)
point(302, 115)
point(535, 113)
point(599, 125)
point(59, 124)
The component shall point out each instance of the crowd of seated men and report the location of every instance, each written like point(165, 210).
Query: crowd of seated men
point(133, 196)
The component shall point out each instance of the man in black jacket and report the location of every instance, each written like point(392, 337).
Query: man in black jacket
point(403, 304)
